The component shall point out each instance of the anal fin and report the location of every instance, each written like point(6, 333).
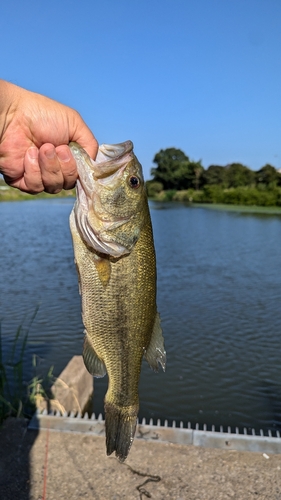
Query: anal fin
point(155, 352)
point(93, 363)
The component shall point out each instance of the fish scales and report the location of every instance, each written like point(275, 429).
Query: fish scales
point(118, 299)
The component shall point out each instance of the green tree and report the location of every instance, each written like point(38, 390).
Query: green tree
point(238, 175)
point(175, 171)
point(267, 175)
point(153, 188)
point(168, 161)
point(215, 175)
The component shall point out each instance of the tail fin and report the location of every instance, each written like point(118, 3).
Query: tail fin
point(120, 428)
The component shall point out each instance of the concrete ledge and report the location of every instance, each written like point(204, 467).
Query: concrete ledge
point(97, 426)
point(158, 433)
point(239, 442)
point(66, 423)
point(164, 434)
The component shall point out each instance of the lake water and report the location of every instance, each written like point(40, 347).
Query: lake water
point(219, 297)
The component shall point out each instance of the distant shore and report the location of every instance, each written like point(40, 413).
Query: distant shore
point(192, 198)
point(260, 196)
point(8, 193)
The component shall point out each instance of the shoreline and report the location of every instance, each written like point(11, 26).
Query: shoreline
point(9, 194)
point(12, 194)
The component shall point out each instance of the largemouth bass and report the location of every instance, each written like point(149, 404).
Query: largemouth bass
point(115, 258)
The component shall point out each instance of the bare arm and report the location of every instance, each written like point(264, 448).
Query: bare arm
point(34, 136)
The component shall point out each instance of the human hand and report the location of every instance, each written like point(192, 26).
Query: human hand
point(34, 135)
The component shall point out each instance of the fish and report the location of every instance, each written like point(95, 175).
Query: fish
point(115, 258)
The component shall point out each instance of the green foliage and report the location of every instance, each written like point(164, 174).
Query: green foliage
point(189, 196)
point(238, 175)
point(169, 162)
point(231, 176)
point(11, 392)
point(153, 188)
point(188, 175)
point(242, 195)
point(167, 195)
point(237, 196)
point(184, 195)
point(18, 397)
point(213, 194)
point(175, 171)
point(8, 193)
point(268, 176)
point(215, 174)
point(170, 193)
point(38, 388)
point(186, 180)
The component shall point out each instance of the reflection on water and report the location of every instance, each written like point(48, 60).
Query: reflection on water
point(219, 290)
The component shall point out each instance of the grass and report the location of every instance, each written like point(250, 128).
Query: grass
point(8, 193)
point(17, 397)
point(259, 196)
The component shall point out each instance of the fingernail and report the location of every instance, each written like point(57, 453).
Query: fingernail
point(32, 153)
point(50, 153)
point(63, 155)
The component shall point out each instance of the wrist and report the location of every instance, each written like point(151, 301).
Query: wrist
point(8, 103)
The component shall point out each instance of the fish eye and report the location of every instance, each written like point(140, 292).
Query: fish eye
point(134, 181)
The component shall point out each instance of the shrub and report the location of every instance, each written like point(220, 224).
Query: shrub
point(153, 188)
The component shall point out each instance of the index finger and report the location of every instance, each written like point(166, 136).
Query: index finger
point(52, 176)
point(68, 166)
point(31, 182)
point(83, 135)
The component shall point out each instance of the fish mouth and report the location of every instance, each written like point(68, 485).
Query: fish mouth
point(114, 151)
point(110, 158)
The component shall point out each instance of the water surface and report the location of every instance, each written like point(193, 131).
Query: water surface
point(219, 290)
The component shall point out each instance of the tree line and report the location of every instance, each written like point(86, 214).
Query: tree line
point(177, 177)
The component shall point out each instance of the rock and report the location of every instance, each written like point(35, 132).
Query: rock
point(71, 390)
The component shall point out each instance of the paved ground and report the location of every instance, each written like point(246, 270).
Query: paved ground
point(77, 467)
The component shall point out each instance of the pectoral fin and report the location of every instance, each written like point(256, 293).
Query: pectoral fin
point(155, 352)
point(103, 267)
point(93, 363)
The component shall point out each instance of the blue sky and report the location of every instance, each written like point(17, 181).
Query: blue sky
point(200, 75)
